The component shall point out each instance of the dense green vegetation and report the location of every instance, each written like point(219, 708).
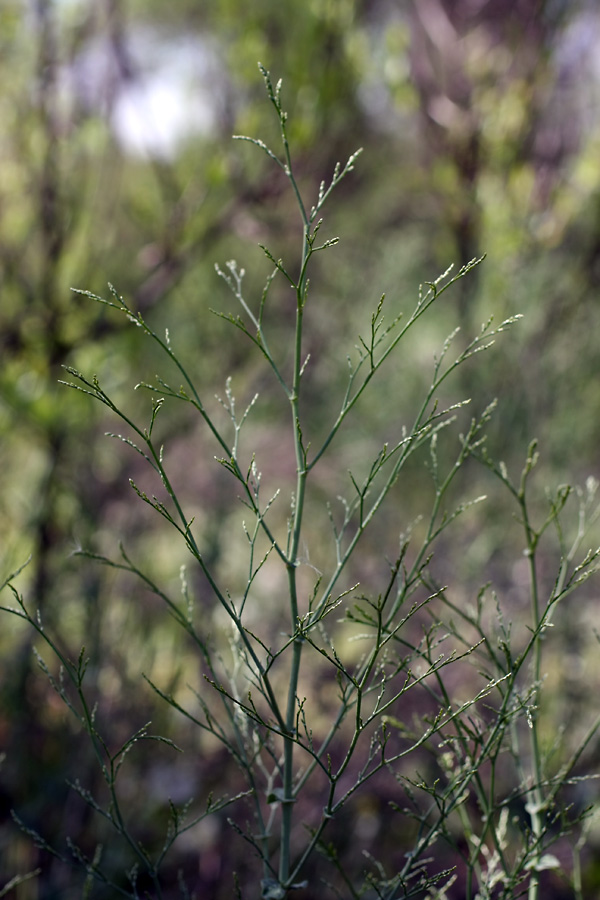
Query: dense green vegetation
point(480, 133)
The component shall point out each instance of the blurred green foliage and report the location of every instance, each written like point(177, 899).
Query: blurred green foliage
point(481, 132)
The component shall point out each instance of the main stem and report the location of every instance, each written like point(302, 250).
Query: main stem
point(535, 795)
point(292, 566)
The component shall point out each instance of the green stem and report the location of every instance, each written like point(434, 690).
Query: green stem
point(292, 565)
point(535, 798)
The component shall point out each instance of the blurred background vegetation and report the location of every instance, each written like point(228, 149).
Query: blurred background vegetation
point(480, 121)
